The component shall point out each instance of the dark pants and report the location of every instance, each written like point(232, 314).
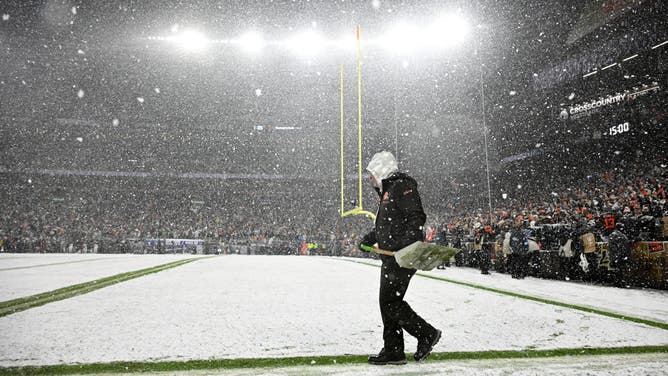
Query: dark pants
point(619, 273)
point(593, 275)
point(459, 257)
point(572, 268)
point(484, 260)
point(533, 263)
point(502, 265)
point(396, 313)
point(518, 265)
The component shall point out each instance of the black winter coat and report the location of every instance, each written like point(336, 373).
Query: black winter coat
point(619, 249)
point(400, 215)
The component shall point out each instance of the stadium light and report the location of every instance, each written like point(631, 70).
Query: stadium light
point(590, 74)
point(306, 43)
point(251, 42)
point(660, 44)
point(608, 66)
point(347, 43)
point(191, 40)
point(403, 38)
point(448, 30)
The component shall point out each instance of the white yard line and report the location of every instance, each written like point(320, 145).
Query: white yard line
point(643, 303)
point(66, 270)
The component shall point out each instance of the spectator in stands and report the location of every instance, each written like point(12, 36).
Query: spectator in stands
point(519, 247)
point(619, 251)
point(485, 236)
point(506, 251)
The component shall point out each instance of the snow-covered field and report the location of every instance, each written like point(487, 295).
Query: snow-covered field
point(29, 273)
point(284, 306)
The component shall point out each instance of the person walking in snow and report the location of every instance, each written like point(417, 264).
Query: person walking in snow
point(399, 222)
point(619, 251)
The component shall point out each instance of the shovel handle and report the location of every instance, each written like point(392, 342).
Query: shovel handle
point(382, 251)
point(375, 249)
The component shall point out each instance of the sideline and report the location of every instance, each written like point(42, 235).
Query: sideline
point(52, 264)
point(313, 361)
point(21, 304)
point(656, 324)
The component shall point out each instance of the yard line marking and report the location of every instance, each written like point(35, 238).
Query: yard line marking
point(55, 263)
point(540, 300)
point(21, 304)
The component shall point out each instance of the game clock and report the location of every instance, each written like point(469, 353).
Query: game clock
point(619, 129)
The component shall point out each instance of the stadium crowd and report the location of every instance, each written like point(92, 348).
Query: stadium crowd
point(64, 213)
point(629, 199)
point(68, 213)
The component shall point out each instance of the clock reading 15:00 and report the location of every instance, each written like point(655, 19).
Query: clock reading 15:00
point(617, 129)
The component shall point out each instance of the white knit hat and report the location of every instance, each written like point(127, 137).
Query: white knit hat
point(382, 165)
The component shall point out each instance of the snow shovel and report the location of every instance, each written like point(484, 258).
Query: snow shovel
point(419, 255)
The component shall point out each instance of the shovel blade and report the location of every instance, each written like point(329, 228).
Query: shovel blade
point(423, 256)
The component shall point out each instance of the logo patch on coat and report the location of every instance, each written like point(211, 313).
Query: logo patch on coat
point(407, 192)
point(386, 198)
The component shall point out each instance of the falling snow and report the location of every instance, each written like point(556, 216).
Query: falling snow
point(246, 128)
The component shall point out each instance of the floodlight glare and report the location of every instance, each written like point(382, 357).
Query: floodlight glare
point(448, 30)
point(347, 42)
point(403, 38)
point(307, 43)
point(191, 40)
point(251, 42)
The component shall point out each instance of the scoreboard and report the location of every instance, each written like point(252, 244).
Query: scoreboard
point(635, 111)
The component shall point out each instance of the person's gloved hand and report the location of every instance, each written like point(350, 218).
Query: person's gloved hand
point(368, 241)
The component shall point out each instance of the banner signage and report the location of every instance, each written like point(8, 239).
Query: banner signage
point(174, 241)
point(593, 106)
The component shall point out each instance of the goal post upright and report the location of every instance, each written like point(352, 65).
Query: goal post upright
point(358, 209)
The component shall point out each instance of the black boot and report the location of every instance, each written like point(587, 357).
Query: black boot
point(384, 358)
point(425, 346)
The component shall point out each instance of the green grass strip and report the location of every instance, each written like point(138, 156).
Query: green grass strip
point(511, 354)
point(541, 300)
point(210, 364)
point(21, 304)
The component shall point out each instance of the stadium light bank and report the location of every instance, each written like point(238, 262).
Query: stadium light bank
point(447, 31)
